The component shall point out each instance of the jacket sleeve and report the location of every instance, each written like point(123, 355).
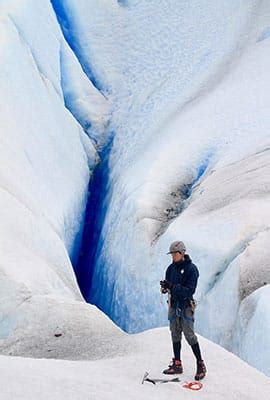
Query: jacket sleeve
point(167, 275)
point(181, 292)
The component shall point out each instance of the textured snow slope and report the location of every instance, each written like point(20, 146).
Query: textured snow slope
point(45, 159)
point(120, 377)
point(189, 85)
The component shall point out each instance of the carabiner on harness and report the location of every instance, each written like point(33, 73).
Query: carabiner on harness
point(178, 312)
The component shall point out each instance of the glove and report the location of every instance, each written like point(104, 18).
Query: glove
point(166, 285)
point(162, 287)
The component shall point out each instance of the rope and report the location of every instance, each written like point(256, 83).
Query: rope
point(193, 385)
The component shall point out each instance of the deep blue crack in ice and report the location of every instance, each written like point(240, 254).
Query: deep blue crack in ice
point(94, 219)
point(66, 24)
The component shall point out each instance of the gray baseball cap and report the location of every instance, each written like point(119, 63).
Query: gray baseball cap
point(177, 246)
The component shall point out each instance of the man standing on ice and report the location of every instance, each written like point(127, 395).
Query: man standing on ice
point(181, 282)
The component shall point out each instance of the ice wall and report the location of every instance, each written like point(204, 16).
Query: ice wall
point(185, 86)
point(46, 160)
point(189, 88)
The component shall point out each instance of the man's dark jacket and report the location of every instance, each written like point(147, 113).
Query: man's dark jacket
point(184, 276)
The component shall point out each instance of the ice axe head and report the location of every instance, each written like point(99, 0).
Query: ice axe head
point(144, 377)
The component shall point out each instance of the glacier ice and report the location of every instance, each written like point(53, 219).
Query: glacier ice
point(30, 378)
point(184, 88)
point(46, 161)
point(189, 93)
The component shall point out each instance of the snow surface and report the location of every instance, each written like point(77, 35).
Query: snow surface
point(120, 377)
point(189, 85)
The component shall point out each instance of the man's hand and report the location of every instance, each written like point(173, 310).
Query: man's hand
point(166, 285)
point(162, 289)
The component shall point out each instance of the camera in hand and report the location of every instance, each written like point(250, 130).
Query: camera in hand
point(164, 287)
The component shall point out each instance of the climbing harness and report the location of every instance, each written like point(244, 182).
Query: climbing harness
point(178, 312)
point(193, 304)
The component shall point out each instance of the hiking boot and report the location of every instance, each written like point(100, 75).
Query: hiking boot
point(174, 368)
point(172, 362)
point(201, 370)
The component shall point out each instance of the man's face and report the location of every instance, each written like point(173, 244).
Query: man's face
point(177, 256)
